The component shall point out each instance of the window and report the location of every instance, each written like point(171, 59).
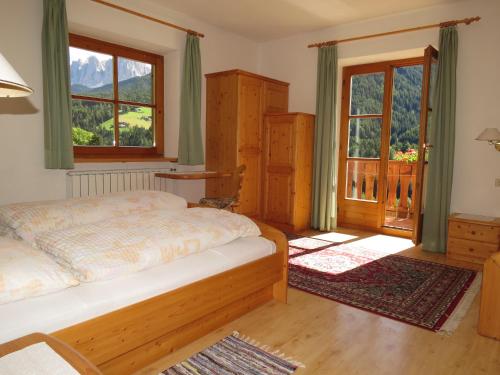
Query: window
point(117, 100)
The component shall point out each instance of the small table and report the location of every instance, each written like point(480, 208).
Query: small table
point(192, 175)
point(70, 355)
point(473, 238)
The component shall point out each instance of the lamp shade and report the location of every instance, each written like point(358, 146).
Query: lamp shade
point(11, 83)
point(489, 134)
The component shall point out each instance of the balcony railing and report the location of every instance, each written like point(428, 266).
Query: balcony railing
point(362, 183)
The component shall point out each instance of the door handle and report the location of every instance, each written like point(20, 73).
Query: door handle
point(427, 146)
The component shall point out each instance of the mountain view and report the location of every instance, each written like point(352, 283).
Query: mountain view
point(93, 121)
point(367, 97)
point(93, 73)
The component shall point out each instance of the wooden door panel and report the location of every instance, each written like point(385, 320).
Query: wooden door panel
point(276, 98)
point(351, 214)
point(278, 159)
point(250, 113)
point(280, 138)
point(221, 131)
point(250, 143)
point(251, 187)
point(303, 172)
point(430, 58)
point(278, 200)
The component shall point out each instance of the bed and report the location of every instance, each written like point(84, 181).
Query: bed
point(125, 323)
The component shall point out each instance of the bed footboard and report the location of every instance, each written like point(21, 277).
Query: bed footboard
point(280, 288)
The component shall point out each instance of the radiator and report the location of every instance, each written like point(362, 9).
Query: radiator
point(101, 182)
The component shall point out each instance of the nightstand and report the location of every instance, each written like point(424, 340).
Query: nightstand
point(472, 238)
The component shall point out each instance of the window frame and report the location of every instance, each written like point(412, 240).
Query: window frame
point(117, 151)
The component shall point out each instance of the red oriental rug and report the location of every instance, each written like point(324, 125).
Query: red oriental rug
point(413, 291)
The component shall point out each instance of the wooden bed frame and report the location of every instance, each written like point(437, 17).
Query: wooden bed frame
point(132, 337)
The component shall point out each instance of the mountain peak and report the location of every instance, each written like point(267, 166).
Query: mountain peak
point(94, 73)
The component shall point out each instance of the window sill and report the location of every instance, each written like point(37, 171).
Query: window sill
point(137, 159)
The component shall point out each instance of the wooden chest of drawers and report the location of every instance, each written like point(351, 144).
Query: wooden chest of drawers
point(472, 238)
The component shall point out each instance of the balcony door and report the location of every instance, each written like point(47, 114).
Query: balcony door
point(428, 80)
point(381, 136)
point(365, 117)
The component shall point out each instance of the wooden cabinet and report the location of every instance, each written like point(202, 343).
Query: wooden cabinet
point(236, 103)
point(473, 238)
point(287, 179)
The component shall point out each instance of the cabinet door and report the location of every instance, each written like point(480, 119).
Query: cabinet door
point(276, 98)
point(250, 143)
point(221, 132)
point(278, 195)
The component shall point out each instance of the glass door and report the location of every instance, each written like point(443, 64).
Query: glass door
point(364, 107)
point(384, 116)
point(403, 147)
point(429, 75)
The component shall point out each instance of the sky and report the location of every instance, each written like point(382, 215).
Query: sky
point(82, 54)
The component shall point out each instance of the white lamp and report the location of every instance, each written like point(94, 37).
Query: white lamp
point(491, 135)
point(11, 83)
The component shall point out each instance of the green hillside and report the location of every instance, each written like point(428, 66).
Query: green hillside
point(93, 122)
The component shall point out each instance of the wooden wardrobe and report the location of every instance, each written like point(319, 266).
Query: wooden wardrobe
point(236, 104)
point(288, 161)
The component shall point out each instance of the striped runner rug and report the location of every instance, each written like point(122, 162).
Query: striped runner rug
point(235, 354)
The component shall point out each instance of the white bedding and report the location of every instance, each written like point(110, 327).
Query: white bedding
point(55, 311)
point(27, 272)
point(124, 245)
point(27, 220)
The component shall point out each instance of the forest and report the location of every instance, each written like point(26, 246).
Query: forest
point(93, 122)
point(367, 93)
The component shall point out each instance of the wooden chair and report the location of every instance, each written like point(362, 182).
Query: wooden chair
point(230, 202)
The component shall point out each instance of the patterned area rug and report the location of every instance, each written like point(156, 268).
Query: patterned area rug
point(235, 354)
point(413, 291)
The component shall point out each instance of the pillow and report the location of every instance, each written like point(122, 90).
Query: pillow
point(27, 220)
point(28, 272)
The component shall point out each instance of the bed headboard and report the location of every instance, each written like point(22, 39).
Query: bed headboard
point(100, 182)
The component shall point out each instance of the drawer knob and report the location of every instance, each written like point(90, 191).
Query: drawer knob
point(471, 249)
point(473, 232)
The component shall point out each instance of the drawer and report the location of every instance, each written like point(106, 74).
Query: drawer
point(472, 249)
point(475, 232)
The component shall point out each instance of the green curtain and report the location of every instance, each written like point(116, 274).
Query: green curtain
point(442, 137)
point(56, 86)
point(324, 141)
point(190, 142)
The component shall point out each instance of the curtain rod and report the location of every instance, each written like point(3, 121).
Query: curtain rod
point(466, 21)
point(130, 11)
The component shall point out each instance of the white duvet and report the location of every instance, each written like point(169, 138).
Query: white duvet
point(123, 245)
point(27, 220)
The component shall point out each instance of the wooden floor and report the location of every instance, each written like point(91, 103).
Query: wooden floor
point(331, 338)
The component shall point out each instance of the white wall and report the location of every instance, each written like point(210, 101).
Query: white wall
point(22, 174)
point(476, 164)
